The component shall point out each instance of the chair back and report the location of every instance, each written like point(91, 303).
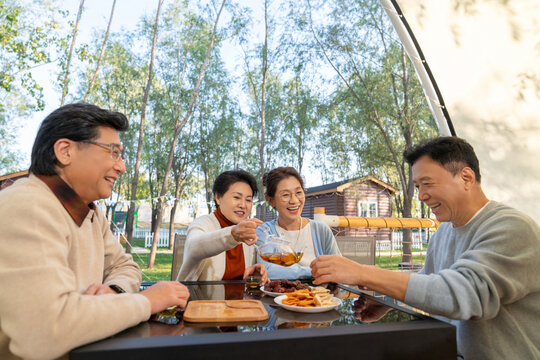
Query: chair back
point(359, 249)
point(178, 255)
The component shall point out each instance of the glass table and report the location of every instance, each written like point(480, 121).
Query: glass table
point(362, 326)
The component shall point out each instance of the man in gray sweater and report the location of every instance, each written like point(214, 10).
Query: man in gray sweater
point(482, 265)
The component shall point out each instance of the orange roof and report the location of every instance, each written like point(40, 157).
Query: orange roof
point(342, 185)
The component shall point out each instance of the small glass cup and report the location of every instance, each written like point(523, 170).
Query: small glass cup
point(253, 281)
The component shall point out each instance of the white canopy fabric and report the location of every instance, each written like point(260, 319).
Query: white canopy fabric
point(479, 64)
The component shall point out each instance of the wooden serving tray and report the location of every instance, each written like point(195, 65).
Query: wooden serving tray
point(225, 311)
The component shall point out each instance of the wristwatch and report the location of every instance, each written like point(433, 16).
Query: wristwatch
point(117, 289)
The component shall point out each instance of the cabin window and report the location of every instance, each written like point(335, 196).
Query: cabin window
point(368, 209)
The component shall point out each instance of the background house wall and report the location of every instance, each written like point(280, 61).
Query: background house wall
point(368, 192)
point(332, 202)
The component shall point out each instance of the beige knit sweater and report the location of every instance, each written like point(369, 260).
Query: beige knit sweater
point(46, 263)
point(204, 252)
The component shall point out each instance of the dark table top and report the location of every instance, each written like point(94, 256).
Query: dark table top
point(374, 327)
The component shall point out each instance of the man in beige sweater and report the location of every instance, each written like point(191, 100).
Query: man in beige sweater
point(64, 279)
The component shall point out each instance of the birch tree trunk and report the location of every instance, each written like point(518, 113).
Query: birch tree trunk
point(181, 174)
point(102, 52)
point(173, 213)
point(178, 128)
point(131, 209)
point(263, 102)
point(70, 54)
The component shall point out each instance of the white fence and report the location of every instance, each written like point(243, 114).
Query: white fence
point(163, 237)
point(142, 232)
point(397, 239)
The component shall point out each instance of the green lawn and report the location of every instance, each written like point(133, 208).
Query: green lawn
point(391, 262)
point(162, 269)
point(139, 242)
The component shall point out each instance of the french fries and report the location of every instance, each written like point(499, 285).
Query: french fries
point(317, 296)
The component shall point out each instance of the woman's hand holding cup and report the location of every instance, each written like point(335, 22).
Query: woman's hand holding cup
point(245, 231)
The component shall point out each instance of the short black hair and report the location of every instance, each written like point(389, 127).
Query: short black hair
point(452, 152)
point(77, 122)
point(272, 178)
point(223, 182)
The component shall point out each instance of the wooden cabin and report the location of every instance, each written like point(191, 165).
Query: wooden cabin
point(366, 196)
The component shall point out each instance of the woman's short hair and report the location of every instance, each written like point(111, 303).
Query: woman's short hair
point(76, 122)
point(223, 182)
point(272, 178)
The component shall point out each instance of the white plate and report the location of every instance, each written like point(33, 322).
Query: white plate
point(306, 309)
point(271, 293)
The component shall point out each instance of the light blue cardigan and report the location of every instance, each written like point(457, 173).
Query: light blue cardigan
point(323, 242)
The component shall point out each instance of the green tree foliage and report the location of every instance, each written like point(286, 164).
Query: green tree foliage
point(119, 87)
point(216, 130)
point(25, 43)
point(299, 120)
point(321, 85)
point(377, 108)
point(378, 105)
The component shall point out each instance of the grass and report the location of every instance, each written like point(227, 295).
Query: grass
point(162, 266)
point(162, 270)
point(138, 242)
point(392, 262)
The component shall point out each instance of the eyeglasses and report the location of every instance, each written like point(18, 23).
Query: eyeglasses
point(287, 196)
point(116, 153)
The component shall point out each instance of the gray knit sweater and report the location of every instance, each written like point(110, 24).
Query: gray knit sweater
point(485, 276)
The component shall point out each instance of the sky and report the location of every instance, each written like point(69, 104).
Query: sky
point(96, 15)
point(126, 16)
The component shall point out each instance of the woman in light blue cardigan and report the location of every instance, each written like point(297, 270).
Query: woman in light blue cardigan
point(285, 193)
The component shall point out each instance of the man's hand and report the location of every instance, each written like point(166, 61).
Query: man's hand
point(368, 310)
point(98, 289)
point(165, 294)
point(245, 231)
point(335, 268)
point(257, 269)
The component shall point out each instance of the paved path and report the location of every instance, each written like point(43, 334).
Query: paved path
point(399, 253)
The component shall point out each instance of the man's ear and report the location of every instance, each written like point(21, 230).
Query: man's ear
point(468, 176)
point(217, 198)
point(63, 150)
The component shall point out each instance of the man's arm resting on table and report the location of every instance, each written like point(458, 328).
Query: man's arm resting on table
point(119, 268)
point(335, 268)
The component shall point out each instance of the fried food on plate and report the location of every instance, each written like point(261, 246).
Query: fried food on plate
point(323, 300)
point(319, 290)
point(308, 298)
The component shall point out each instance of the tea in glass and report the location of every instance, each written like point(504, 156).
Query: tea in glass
point(253, 281)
